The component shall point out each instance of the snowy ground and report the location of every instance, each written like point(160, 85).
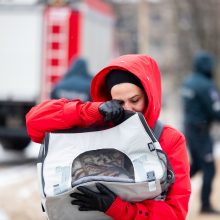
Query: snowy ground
point(18, 185)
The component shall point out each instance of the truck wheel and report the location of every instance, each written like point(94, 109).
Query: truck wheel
point(15, 144)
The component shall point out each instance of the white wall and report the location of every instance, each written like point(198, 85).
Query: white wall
point(20, 52)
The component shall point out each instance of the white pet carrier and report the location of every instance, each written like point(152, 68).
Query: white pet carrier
point(126, 158)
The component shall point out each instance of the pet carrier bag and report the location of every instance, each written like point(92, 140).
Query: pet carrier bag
point(126, 158)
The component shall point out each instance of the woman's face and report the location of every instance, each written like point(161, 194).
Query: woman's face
point(130, 96)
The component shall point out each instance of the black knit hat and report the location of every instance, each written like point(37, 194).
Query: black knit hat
point(115, 77)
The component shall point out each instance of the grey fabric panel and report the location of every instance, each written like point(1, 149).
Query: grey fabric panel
point(101, 178)
point(60, 208)
point(158, 129)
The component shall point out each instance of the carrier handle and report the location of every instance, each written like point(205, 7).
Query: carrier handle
point(146, 127)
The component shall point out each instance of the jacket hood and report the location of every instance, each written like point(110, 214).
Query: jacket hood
point(78, 68)
point(142, 66)
point(203, 63)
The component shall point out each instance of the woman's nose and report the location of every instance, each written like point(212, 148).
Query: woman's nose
point(128, 107)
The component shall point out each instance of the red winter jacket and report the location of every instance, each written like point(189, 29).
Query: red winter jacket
point(62, 114)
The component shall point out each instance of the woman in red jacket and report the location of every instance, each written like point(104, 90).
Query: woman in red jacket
point(130, 82)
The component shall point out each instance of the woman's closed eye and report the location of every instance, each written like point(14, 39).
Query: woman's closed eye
point(134, 100)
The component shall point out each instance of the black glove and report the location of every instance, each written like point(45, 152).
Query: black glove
point(111, 110)
point(90, 200)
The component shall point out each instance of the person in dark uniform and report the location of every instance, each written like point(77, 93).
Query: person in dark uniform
point(201, 106)
point(75, 84)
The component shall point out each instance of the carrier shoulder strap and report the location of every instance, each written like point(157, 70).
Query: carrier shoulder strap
point(157, 129)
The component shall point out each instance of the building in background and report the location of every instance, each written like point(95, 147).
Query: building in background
point(172, 30)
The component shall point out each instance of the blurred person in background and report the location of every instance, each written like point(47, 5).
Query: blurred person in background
point(130, 82)
point(75, 84)
point(201, 106)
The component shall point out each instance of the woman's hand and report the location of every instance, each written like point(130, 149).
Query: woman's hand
point(111, 110)
point(89, 200)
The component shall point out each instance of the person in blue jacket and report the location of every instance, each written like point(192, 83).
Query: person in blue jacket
point(75, 84)
point(201, 106)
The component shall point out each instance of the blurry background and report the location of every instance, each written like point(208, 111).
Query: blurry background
point(40, 39)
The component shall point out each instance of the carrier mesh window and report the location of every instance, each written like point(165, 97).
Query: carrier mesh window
point(104, 162)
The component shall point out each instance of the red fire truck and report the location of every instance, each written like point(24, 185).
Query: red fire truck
point(38, 42)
